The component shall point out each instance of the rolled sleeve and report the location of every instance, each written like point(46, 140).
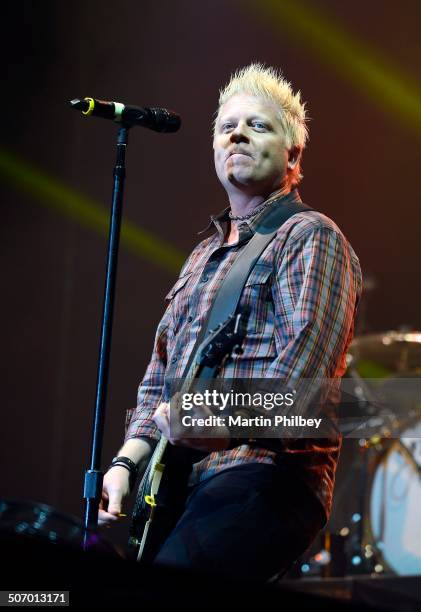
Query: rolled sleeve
point(139, 423)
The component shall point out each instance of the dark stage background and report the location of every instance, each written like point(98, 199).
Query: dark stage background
point(361, 168)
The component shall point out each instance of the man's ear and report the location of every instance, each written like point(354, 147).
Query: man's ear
point(293, 157)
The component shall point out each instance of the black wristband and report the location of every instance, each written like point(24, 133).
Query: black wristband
point(123, 465)
point(131, 466)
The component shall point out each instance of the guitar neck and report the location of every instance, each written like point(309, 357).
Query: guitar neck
point(159, 450)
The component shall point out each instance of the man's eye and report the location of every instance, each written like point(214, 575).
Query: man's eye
point(226, 126)
point(260, 125)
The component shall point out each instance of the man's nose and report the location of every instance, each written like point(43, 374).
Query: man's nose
point(239, 134)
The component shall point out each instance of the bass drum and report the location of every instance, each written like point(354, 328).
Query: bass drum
point(394, 528)
point(389, 364)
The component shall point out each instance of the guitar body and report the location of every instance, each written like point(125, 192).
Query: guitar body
point(161, 499)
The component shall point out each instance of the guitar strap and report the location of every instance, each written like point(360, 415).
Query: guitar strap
point(229, 293)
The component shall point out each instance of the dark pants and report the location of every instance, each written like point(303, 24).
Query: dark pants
point(249, 521)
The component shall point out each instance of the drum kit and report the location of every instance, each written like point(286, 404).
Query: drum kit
point(375, 517)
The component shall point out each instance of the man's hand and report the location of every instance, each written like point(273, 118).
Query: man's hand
point(116, 484)
point(185, 436)
point(115, 489)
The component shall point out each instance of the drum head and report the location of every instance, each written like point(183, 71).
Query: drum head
point(395, 503)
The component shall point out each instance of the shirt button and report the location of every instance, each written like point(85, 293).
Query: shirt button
point(189, 319)
point(173, 359)
point(204, 278)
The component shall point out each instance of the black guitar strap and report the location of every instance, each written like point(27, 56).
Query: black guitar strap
point(228, 296)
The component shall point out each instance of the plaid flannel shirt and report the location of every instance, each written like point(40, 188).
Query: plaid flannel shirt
point(302, 294)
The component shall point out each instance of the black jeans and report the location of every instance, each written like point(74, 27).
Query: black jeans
point(249, 521)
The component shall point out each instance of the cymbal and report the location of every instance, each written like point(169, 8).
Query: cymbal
point(392, 351)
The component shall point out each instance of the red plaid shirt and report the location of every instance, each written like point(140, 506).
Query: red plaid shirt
point(303, 294)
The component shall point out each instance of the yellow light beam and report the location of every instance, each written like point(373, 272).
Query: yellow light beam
point(53, 194)
point(383, 81)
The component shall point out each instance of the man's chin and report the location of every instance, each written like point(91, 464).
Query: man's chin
point(244, 182)
point(241, 176)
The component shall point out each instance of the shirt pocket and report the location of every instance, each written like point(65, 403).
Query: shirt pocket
point(257, 296)
point(178, 298)
point(180, 283)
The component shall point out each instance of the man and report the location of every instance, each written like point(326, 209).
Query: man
point(253, 508)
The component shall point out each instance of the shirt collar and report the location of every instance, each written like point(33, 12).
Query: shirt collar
point(217, 220)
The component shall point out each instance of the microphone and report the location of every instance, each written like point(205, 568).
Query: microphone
point(157, 119)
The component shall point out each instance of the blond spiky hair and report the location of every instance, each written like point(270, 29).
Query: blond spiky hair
point(268, 83)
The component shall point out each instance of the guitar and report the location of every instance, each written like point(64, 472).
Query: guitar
point(163, 488)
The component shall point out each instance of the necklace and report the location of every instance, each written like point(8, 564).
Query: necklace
point(253, 213)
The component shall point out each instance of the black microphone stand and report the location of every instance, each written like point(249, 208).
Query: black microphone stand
point(94, 476)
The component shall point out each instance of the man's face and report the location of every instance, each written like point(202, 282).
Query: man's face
point(249, 146)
